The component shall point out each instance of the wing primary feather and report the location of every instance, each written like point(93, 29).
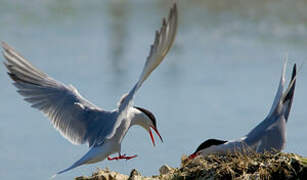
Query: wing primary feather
point(163, 41)
point(57, 101)
point(12, 56)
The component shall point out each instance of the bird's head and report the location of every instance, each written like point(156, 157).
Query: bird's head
point(147, 120)
point(206, 147)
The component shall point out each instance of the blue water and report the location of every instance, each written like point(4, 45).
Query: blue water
point(218, 81)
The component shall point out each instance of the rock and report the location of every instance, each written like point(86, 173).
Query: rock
point(104, 175)
point(135, 175)
point(165, 169)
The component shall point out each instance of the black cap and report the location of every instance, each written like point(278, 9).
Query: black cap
point(209, 143)
point(149, 114)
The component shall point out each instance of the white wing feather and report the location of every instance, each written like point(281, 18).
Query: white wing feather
point(73, 116)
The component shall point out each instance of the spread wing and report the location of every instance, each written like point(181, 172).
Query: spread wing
point(271, 132)
point(73, 116)
point(162, 44)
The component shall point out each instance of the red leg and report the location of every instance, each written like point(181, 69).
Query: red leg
point(130, 157)
point(122, 157)
point(110, 159)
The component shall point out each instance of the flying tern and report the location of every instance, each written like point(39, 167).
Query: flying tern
point(269, 135)
point(79, 120)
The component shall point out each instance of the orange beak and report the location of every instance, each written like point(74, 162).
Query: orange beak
point(151, 136)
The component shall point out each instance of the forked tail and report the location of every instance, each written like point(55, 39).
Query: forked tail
point(95, 154)
point(76, 164)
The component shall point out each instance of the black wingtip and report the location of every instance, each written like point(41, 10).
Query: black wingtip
point(14, 77)
point(293, 72)
point(290, 93)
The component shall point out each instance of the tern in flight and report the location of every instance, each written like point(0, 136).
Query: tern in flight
point(269, 135)
point(77, 119)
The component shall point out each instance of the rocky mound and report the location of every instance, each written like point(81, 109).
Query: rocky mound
point(231, 166)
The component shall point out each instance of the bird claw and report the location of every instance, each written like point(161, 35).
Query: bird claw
point(122, 157)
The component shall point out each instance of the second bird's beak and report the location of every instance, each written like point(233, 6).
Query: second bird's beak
point(151, 136)
point(192, 156)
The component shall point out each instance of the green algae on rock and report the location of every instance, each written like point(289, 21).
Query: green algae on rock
point(230, 166)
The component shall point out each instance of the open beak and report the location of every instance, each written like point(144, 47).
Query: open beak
point(151, 136)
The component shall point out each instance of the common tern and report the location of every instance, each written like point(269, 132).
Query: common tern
point(79, 120)
point(269, 135)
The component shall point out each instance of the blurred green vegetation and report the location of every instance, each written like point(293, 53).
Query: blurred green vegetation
point(288, 12)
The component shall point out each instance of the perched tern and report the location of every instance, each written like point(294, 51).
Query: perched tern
point(77, 119)
point(269, 135)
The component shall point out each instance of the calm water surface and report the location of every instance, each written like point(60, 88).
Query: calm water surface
point(218, 81)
